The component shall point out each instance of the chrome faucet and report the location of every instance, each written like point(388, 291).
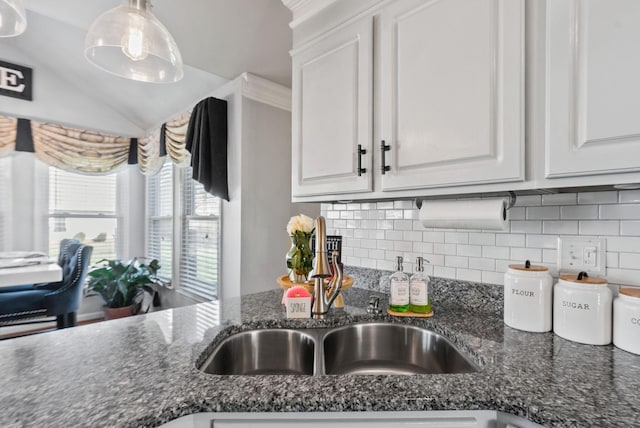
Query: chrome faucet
point(321, 300)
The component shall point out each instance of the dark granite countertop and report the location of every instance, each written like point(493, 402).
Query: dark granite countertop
point(140, 371)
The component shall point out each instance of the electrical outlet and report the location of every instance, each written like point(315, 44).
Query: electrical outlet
point(582, 254)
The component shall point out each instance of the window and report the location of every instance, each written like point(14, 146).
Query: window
point(5, 202)
point(160, 219)
point(83, 207)
point(199, 250)
point(195, 231)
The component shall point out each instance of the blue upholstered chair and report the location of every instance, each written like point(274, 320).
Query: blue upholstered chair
point(58, 299)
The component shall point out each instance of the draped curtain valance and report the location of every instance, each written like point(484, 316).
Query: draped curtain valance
point(89, 152)
point(197, 138)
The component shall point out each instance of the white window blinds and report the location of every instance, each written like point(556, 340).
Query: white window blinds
point(83, 207)
point(199, 260)
point(5, 203)
point(160, 219)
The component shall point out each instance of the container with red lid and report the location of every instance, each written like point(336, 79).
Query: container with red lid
point(582, 308)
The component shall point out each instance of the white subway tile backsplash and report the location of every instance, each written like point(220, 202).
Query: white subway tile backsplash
point(469, 275)
point(543, 213)
point(532, 254)
point(528, 200)
point(629, 196)
point(517, 213)
point(493, 277)
point(402, 246)
point(599, 227)
point(509, 240)
point(435, 237)
point(410, 214)
point(449, 249)
point(394, 214)
point(629, 261)
point(385, 245)
point(579, 212)
point(623, 276)
point(395, 235)
point(412, 236)
point(423, 247)
point(470, 250)
point(567, 227)
point(526, 226)
point(479, 238)
point(402, 224)
point(598, 198)
point(559, 199)
point(631, 228)
point(623, 245)
point(444, 272)
point(479, 263)
point(375, 233)
point(490, 252)
point(456, 237)
point(456, 261)
point(620, 212)
point(542, 241)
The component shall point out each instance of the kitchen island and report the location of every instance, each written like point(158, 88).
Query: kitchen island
point(141, 371)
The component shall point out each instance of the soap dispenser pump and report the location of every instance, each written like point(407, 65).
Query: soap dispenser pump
point(399, 299)
point(419, 301)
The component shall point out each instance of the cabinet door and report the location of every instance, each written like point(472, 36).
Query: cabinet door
point(332, 109)
point(593, 87)
point(452, 92)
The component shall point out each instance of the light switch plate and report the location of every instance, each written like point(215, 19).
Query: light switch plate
point(582, 254)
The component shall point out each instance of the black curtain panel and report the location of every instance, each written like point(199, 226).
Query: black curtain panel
point(207, 142)
point(24, 136)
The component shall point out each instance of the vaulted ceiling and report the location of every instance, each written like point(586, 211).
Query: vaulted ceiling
point(218, 39)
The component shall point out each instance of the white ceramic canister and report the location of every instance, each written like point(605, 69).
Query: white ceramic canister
point(528, 292)
point(582, 309)
point(626, 320)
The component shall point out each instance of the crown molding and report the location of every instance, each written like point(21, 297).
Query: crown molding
point(265, 91)
point(305, 9)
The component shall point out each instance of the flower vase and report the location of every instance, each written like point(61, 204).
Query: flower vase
point(300, 257)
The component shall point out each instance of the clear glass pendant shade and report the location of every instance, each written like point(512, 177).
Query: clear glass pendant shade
point(130, 42)
point(13, 18)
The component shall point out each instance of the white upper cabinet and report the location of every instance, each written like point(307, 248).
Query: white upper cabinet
point(452, 82)
point(332, 113)
point(593, 87)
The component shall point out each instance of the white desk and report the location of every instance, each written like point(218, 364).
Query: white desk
point(32, 274)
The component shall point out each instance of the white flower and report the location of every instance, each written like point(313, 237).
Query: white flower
point(300, 222)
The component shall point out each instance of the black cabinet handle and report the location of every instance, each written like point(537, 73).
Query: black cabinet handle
point(361, 152)
point(384, 148)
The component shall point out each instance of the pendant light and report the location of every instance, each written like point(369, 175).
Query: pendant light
point(13, 18)
point(129, 41)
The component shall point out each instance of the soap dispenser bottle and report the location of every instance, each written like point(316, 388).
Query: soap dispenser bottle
point(399, 300)
point(419, 301)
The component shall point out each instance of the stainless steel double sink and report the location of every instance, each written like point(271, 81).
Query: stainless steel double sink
point(362, 349)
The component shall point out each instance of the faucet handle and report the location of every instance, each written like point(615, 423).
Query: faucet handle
point(374, 305)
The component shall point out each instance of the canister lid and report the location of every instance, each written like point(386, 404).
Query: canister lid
point(583, 278)
point(631, 291)
point(527, 266)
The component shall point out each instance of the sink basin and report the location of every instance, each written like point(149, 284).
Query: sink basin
point(263, 352)
point(396, 349)
point(374, 348)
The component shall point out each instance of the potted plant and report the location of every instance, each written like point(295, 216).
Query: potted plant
point(122, 285)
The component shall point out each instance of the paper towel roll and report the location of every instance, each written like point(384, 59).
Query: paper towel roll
point(488, 214)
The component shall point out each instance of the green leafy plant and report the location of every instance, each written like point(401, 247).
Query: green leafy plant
point(122, 284)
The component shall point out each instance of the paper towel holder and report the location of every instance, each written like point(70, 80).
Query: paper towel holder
point(511, 204)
